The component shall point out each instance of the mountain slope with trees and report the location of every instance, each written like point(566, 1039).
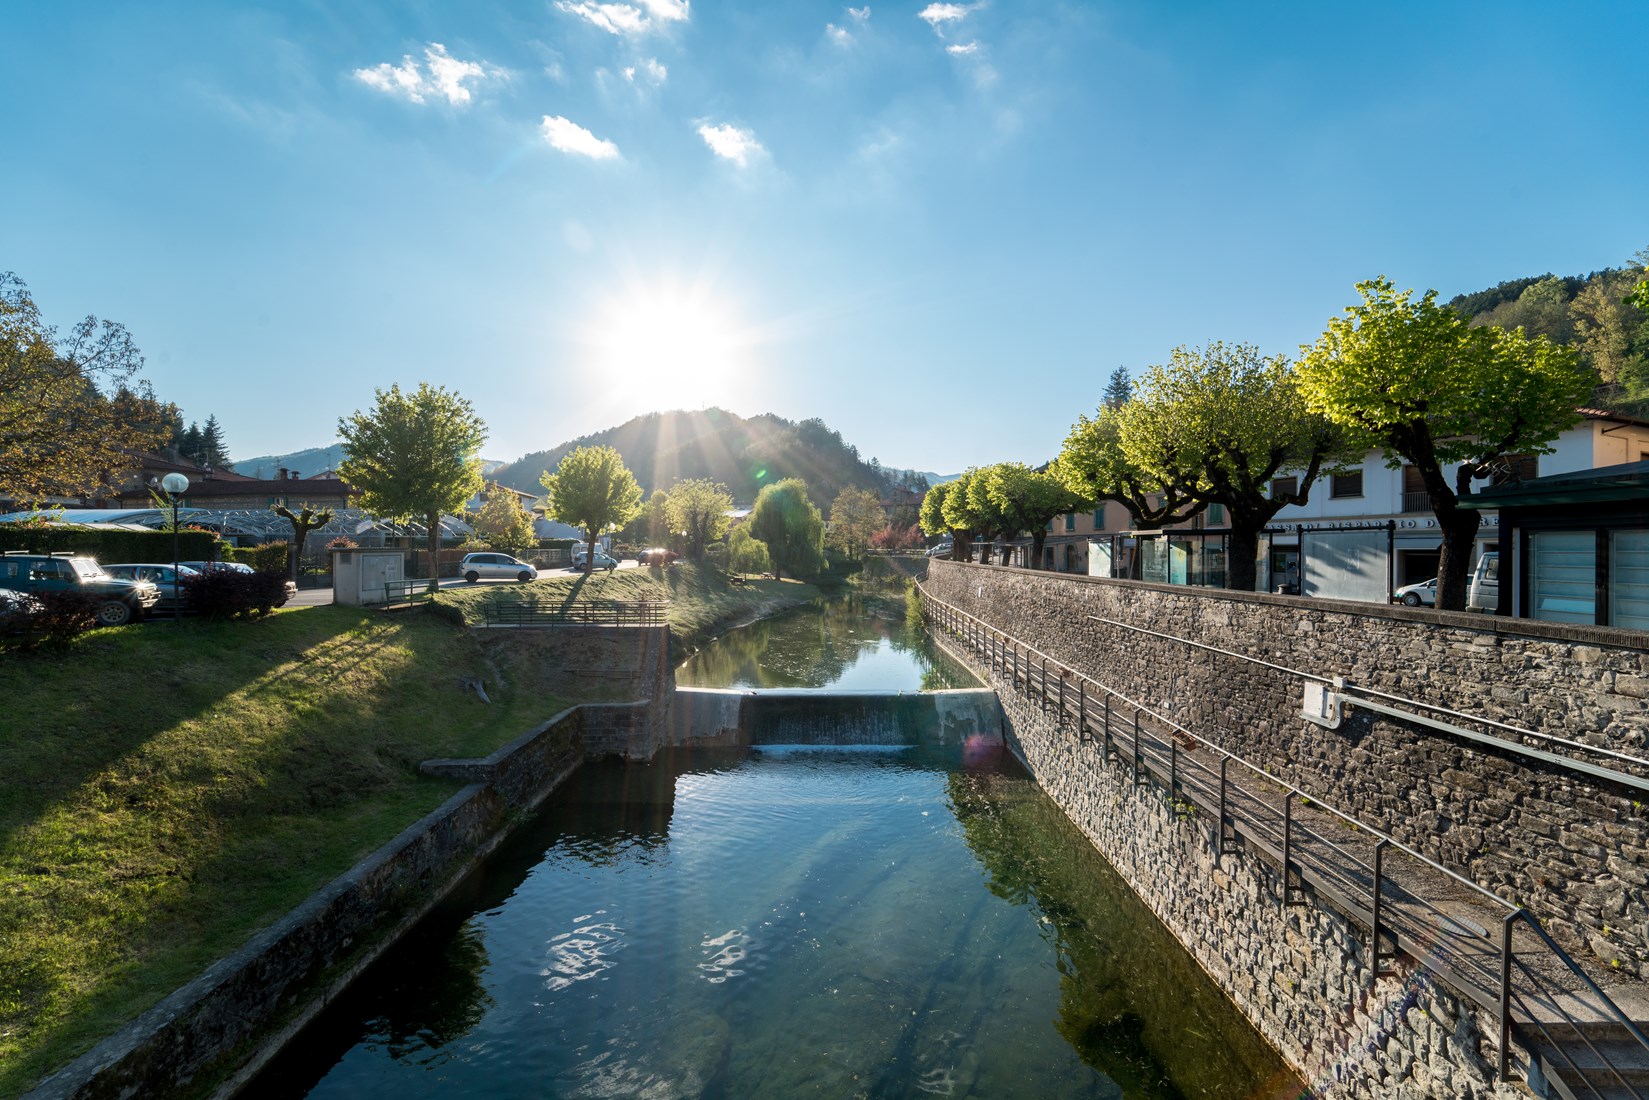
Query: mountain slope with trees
point(742, 453)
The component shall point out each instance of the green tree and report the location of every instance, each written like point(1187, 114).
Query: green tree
point(1118, 390)
point(931, 518)
point(1030, 499)
point(697, 511)
point(1223, 422)
point(655, 518)
point(991, 522)
point(790, 526)
point(592, 489)
point(64, 427)
point(1413, 379)
point(415, 455)
point(502, 519)
point(745, 554)
point(855, 516)
point(306, 519)
point(1094, 466)
point(212, 450)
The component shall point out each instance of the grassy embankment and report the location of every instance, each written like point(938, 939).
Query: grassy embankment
point(166, 790)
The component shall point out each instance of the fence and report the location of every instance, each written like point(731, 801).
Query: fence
point(591, 612)
point(1508, 965)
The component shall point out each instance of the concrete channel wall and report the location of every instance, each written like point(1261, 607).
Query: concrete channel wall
point(1233, 667)
point(1300, 973)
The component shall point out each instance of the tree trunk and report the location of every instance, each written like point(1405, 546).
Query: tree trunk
point(1038, 538)
point(589, 550)
point(300, 534)
point(434, 546)
point(1242, 547)
point(1459, 527)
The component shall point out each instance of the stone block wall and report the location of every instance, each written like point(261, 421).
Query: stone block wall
point(1301, 974)
point(1572, 849)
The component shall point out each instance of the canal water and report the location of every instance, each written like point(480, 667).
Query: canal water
point(789, 922)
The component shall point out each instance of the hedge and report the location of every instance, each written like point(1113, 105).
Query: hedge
point(108, 547)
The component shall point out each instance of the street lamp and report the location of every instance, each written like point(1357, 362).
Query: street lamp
point(175, 485)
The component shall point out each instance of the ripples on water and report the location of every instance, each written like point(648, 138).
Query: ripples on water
point(794, 923)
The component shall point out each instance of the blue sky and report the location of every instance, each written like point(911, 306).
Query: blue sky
point(937, 226)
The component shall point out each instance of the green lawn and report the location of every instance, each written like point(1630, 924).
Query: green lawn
point(166, 790)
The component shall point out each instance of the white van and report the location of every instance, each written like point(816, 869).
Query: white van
point(1484, 593)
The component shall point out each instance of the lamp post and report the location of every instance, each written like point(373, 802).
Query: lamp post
point(175, 485)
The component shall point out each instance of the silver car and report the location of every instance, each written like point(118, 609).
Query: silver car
point(495, 565)
point(161, 576)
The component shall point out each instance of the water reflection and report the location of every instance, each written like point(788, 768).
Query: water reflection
point(858, 642)
point(1132, 1002)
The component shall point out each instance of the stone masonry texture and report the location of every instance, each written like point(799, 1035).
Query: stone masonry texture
point(1573, 850)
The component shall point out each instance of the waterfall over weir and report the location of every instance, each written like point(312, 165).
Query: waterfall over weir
point(729, 717)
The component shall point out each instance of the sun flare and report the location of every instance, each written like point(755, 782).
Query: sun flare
point(682, 344)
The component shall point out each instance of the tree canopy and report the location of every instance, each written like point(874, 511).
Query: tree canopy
point(414, 455)
point(696, 511)
point(306, 519)
point(787, 522)
point(1094, 466)
point(68, 420)
point(594, 490)
point(1219, 424)
point(503, 520)
point(1028, 499)
point(1414, 379)
point(855, 517)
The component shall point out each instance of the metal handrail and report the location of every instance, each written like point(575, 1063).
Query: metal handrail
point(1001, 650)
point(587, 612)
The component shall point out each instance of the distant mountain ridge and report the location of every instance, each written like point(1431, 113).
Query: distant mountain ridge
point(307, 463)
point(743, 453)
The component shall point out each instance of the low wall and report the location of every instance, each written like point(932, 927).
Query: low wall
point(244, 1007)
point(708, 717)
point(1300, 974)
point(1571, 848)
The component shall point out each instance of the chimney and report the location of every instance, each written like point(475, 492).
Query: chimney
point(296, 476)
point(280, 473)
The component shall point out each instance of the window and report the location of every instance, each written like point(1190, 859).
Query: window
point(1562, 576)
point(1346, 485)
point(1415, 497)
point(1216, 515)
point(1629, 579)
point(1283, 486)
point(1070, 521)
point(1099, 518)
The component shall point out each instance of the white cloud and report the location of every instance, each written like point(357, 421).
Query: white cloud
point(627, 18)
point(860, 15)
point(650, 69)
point(570, 137)
point(838, 35)
point(937, 15)
point(441, 75)
point(731, 143)
point(963, 50)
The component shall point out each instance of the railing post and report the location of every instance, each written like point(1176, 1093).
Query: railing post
point(1506, 991)
point(1105, 727)
point(1288, 837)
point(1138, 757)
point(1173, 768)
point(1059, 723)
point(1082, 710)
point(1374, 915)
point(1219, 824)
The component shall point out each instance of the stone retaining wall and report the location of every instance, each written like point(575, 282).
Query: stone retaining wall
point(1300, 974)
point(1572, 849)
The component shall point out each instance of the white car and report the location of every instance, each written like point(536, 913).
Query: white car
point(602, 560)
point(495, 565)
point(1423, 594)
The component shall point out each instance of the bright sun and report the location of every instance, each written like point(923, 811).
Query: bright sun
point(681, 344)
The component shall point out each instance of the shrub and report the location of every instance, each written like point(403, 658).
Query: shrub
point(273, 557)
point(230, 594)
point(342, 542)
point(55, 618)
point(109, 546)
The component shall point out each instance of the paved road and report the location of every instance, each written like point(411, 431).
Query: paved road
point(318, 597)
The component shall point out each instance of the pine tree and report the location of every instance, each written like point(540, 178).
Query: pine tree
point(1119, 389)
point(190, 450)
point(212, 452)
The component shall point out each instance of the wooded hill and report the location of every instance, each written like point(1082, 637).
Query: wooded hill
point(1587, 312)
point(742, 453)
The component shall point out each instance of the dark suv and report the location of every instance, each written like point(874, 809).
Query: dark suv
point(119, 601)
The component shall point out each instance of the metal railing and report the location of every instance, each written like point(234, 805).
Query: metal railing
point(1426, 915)
point(587, 612)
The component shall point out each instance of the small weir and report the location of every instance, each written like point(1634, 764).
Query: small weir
point(864, 896)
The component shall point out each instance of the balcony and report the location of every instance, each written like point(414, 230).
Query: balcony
point(1416, 502)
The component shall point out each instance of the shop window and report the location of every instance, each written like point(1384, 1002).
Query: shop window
point(1629, 579)
point(1563, 576)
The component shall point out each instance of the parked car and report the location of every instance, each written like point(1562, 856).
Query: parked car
point(656, 555)
point(1423, 594)
point(602, 560)
point(496, 565)
point(1484, 591)
point(941, 550)
point(119, 600)
point(160, 575)
point(236, 567)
